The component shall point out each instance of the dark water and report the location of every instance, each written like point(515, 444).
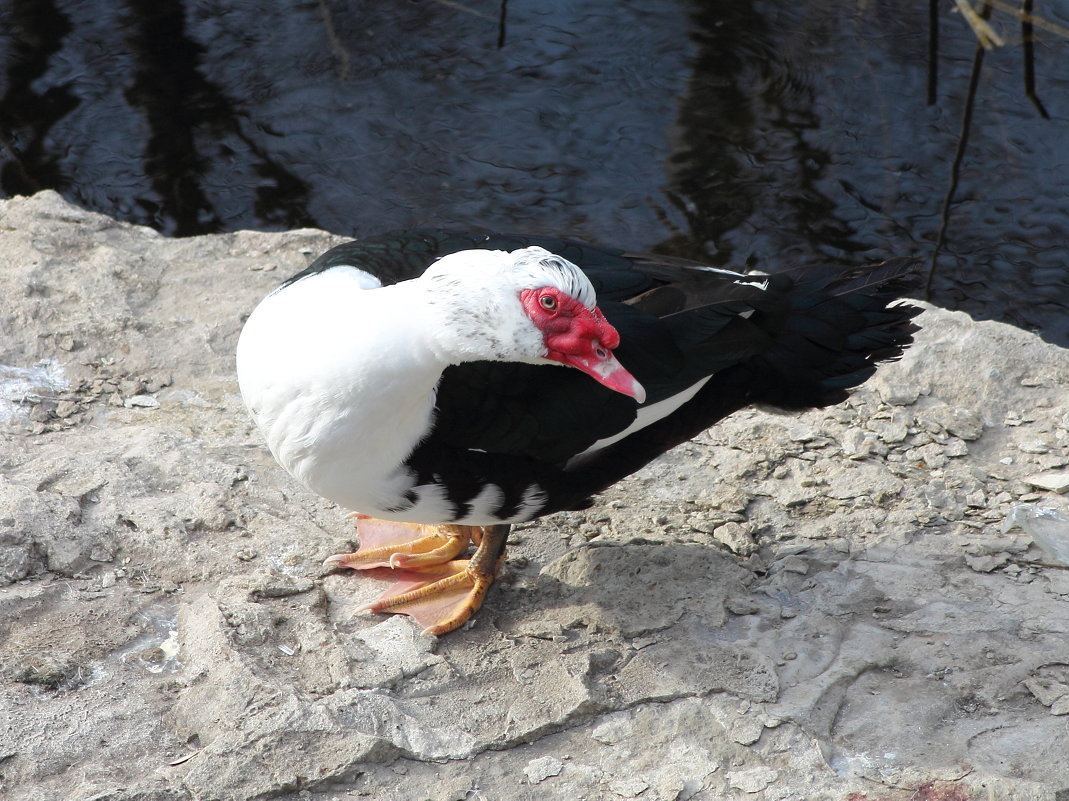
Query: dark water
point(762, 134)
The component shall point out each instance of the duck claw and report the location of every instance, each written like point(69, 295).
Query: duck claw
point(437, 590)
point(384, 543)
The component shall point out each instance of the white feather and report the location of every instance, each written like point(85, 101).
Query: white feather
point(647, 415)
point(339, 372)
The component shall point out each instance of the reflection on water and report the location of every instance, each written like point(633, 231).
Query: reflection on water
point(762, 134)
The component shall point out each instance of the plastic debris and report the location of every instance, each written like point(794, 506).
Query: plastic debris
point(1048, 527)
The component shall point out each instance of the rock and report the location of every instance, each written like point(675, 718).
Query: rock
point(753, 780)
point(865, 605)
point(658, 589)
point(1047, 690)
point(141, 401)
point(19, 553)
point(792, 564)
point(747, 730)
point(965, 424)
point(1054, 482)
point(540, 769)
point(1034, 446)
point(897, 393)
point(856, 444)
point(736, 537)
point(671, 670)
point(741, 606)
point(864, 480)
point(889, 432)
point(985, 564)
point(933, 455)
point(801, 432)
point(628, 786)
point(955, 448)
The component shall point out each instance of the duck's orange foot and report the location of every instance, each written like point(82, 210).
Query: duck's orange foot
point(441, 593)
point(384, 543)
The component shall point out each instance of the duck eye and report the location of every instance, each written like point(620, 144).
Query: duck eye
point(548, 302)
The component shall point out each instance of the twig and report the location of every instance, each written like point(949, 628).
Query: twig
point(335, 43)
point(959, 156)
point(933, 51)
point(985, 34)
point(1030, 59)
point(466, 9)
point(502, 18)
point(1027, 15)
point(1036, 563)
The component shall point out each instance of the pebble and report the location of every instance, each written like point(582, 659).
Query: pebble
point(855, 445)
point(1055, 482)
point(956, 447)
point(542, 768)
point(747, 730)
point(890, 432)
point(156, 383)
point(741, 606)
point(802, 433)
point(986, 564)
point(736, 537)
point(1034, 446)
point(932, 454)
point(65, 409)
point(39, 413)
point(1046, 690)
point(269, 584)
point(141, 401)
point(894, 394)
point(965, 424)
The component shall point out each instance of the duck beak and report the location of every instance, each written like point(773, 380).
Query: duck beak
point(603, 367)
point(582, 338)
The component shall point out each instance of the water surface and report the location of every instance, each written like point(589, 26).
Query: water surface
point(763, 134)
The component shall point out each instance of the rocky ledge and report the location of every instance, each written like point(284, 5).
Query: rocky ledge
point(822, 606)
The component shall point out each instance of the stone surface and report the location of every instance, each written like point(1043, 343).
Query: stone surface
point(811, 607)
point(1054, 481)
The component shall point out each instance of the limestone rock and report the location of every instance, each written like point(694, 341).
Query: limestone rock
point(162, 603)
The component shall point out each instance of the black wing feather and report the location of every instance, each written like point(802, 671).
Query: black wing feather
point(795, 340)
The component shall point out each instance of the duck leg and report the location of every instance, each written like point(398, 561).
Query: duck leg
point(440, 592)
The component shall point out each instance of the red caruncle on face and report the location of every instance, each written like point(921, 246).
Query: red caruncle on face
point(568, 327)
point(579, 337)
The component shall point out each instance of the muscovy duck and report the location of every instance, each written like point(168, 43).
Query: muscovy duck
point(408, 377)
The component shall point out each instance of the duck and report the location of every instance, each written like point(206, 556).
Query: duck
point(443, 386)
